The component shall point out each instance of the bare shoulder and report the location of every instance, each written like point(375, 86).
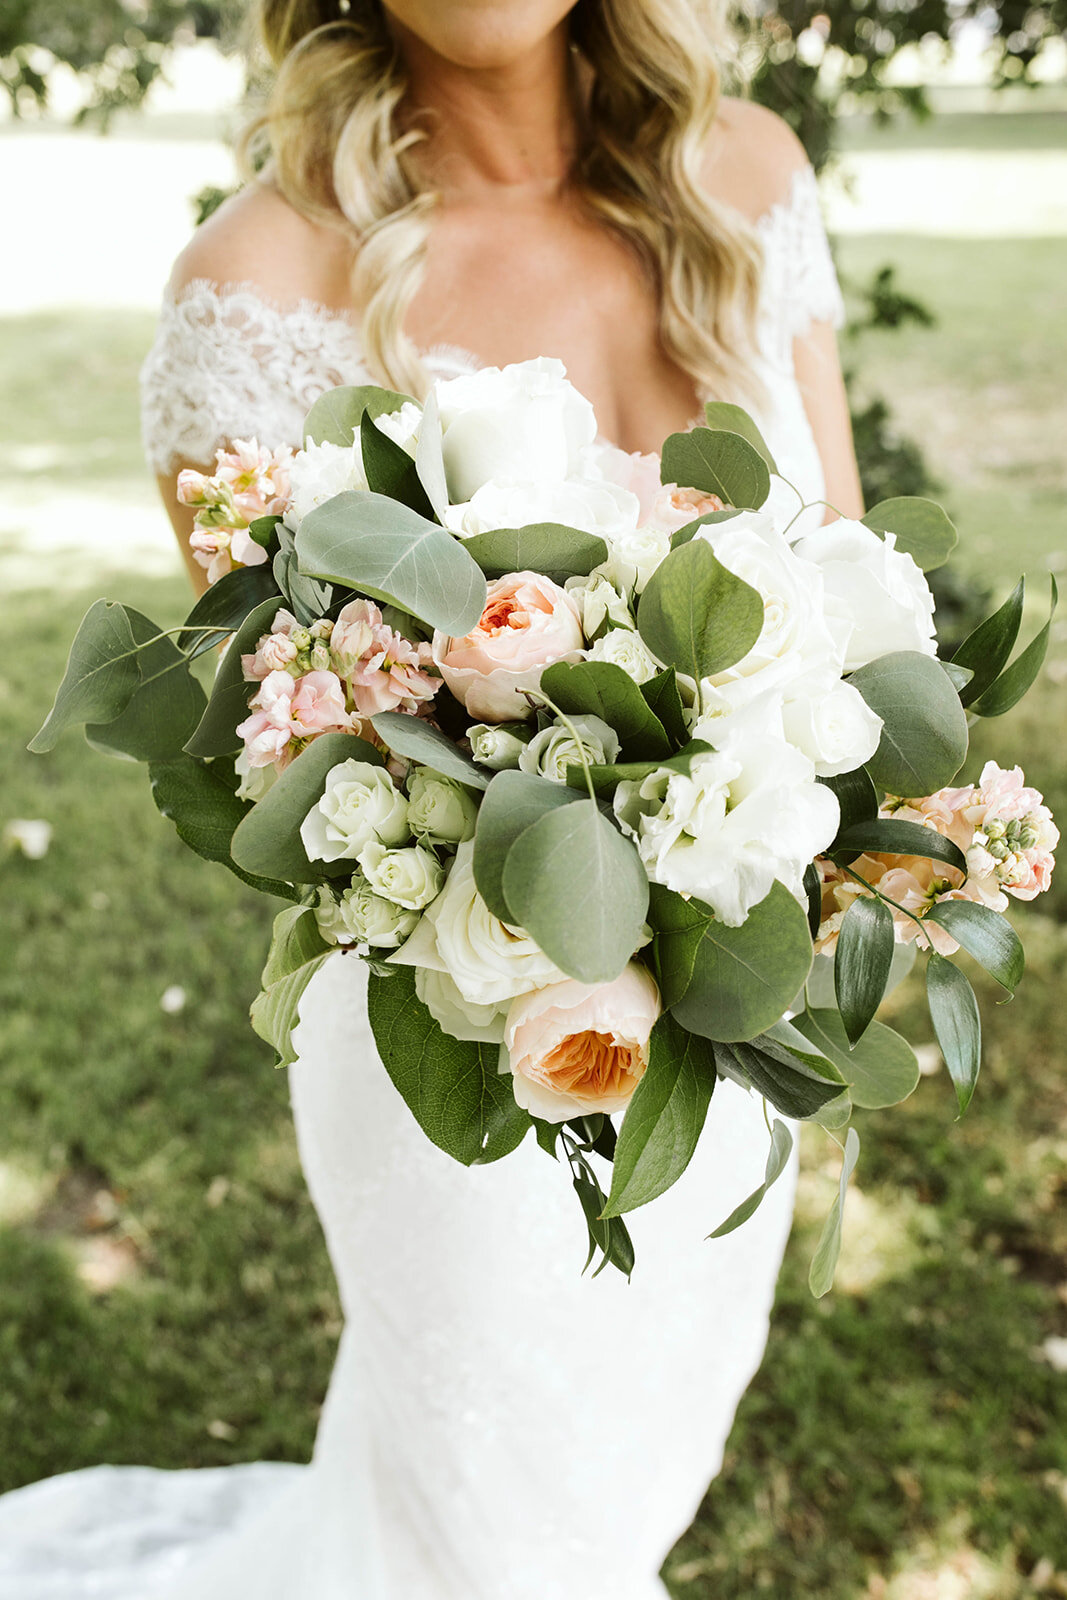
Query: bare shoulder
point(257, 237)
point(752, 157)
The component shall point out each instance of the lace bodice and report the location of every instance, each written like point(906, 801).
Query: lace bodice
point(227, 363)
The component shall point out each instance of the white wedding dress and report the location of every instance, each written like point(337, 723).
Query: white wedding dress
point(497, 1426)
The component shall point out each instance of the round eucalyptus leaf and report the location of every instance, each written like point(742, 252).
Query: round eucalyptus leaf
point(924, 726)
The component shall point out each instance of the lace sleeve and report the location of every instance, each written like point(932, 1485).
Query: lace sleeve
point(799, 284)
point(225, 364)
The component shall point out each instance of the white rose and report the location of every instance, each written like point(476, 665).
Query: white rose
point(363, 918)
point(550, 752)
point(439, 809)
point(458, 1017)
point(410, 877)
point(488, 961)
point(634, 557)
point(524, 423)
point(626, 649)
point(600, 508)
point(361, 805)
point(255, 781)
point(498, 747)
point(744, 816)
point(833, 725)
point(317, 473)
point(599, 602)
point(875, 590)
point(402, 426)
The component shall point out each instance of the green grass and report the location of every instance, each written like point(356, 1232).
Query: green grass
point(903, 1441)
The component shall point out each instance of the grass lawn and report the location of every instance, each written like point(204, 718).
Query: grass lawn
point(164, 1291)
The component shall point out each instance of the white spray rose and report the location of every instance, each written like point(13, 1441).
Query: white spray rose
point(600, 508)
point(440, 811)
point(317, 473)
point(410, 877)
point(550, 752)
point(875, 590)
point(832, 724)
point(488, 961)
point(498, 746)
point(361, 805)
point(626, 649)
point(255, 781)
point(363, 918)
point(459, 1017)
point(402, 426)
point(634, 557)
point(599, 602)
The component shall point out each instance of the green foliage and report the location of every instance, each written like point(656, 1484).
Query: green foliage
point(881, 1068)
point(824, 1261)
point(199, 798)
point(546, 547)
point(337, 416)
point(922, 528)
point(216, 733)
point(777, 1158)
point(664, 1119)
point(924, 728)
point(297, 952)
point(718, 461)
point(417, 741)
point(863, 958)
point(697, 616)
point(513, 802)
point(957, 1023)
point(602, 689)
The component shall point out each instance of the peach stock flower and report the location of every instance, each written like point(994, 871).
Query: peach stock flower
point(249, 481)
point(577, 1049)
point(528, 623)
point(383, 670)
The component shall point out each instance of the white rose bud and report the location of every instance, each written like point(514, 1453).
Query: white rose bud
point(373, 922)
point(361, 805)
point(411, 877)
point(626, 649)
point(834, 727)
point(634, 557)
point(550, 752)
point(498, 746)
point(600, 602)
point(440, 810)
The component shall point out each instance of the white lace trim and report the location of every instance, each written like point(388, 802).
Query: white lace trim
point(227, 362)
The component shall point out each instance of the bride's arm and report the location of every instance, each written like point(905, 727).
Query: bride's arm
point(822, 388)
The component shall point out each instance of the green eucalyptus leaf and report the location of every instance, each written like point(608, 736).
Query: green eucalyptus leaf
point(780, 1076)
point(513, 802)
point(707, 519)
point(602, 689)
point(717, 462)
point(887, 836)
point(205, 812)
point(224, 607)
point(389, 552)
point(880, 1070)
point(862, 962)
point(824, 1261)
point(719, 414)
point(856, 797)
point(1015, 680)
point(267, 841)
point(336, 416)
point(454, 1088)
point(987, 650)
point(579, 889)
point(923, 529)
point(777, 1161)
point(957, 1024)
point(985, 935)
point(664, 1118)
point(102, 674)
point(606, 777)
point(924, 727)
point(163, 711)
point(663, 700)
point(216, 732)
point(297, 952)
point(696, 615)
point(415, 740)
point(546, 547)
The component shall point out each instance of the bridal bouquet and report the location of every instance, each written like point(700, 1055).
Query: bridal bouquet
point(623, 774)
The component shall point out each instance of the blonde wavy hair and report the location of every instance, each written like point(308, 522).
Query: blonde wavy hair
point(342, 154)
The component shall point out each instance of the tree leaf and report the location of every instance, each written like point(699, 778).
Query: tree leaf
point(602, 689)
point(663, 700)
point(415, 740)
point(924, 727)
point(335, 417)
point(707, 519)
point(387, 551)
point(513, 802)
point(862, 960)
point(297, 952)
point(719, 414)
point(664, 1119)
point(267, 841)
point(881, 1070)
point(454, 1088)
point(546, 547)
point(696, 615)
point(225, 606)
point(205, 812)
point(719, 462)
point(102, 674)
point(164, 709)
point(579, 889)
point(389, 469)
point(777, 1161)
point(986, 651)
point(824, 1261)
point(216, 732)
point(923, 529)
point(986, 935)
point(1014, 681)
point(957, 1024)
point(886, 836)
point(741, 980)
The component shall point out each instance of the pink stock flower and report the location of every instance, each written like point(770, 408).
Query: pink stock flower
point(383, 670)
point(318, 705)
point(249, 482)
point(287, 712)
point(275, 651)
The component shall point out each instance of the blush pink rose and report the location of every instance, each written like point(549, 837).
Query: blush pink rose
point(577, 1048)
point(528, 623)
point(672, 507)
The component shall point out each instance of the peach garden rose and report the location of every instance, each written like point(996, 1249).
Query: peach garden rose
point(528, 623)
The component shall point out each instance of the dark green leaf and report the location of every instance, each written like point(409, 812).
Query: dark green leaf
point(267, 841)
point(862, 960)
point(719, 414)
point(1014, 681)
point(513, 802)
point(689, 530)
point(987, 650)
point(696, 615)
point(856, 797)
point(780, 1077)
point(336, 416)
point(824, 1261)
point(886, 836)
point(717, 462)
point(297, 952)
point(957, 1024)
point(924, 732)
point(881, 1070)
point(663, 700)
point(225, 606)
point(205, 812)
point(602, 689)
point(459, 1097)
point(163, 711)
point(102, 674)
point(606, 777)
point(959, 677)
point(389, 469)
point(664, 1118)
point(263, 531)
point(415, 740)
point(777, 1160)
point(546, 547)
point(984, 934)
point(227, 707)
point(923, 529)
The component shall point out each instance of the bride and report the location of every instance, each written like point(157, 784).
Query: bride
point(453, 184)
